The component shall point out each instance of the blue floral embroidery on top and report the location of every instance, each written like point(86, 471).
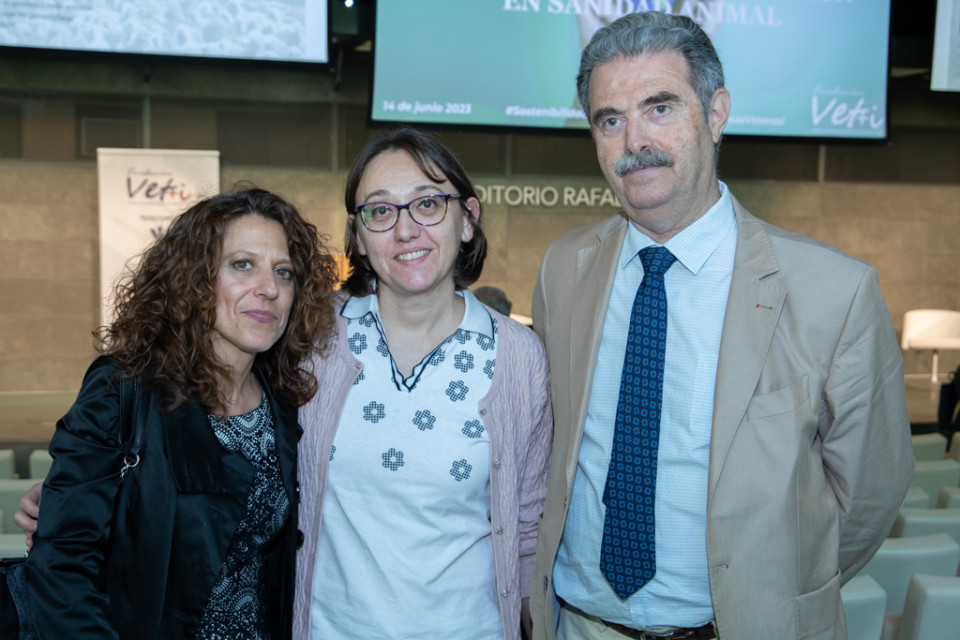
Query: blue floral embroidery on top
point(392, 459)
point(374, 412)
point(488, 368)
point(472, 429)
point(357, 342)
point(424, 420)
point(463, 337)
point(461, 469)
point(359, 378)
point(333, 450)
point(485, 342)
point(457, 390)
point(367, 320)
point(437, 357)
point(382, 348)
point(463, 361)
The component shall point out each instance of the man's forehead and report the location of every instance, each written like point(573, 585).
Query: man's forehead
point(666, 62)
point(644, 76)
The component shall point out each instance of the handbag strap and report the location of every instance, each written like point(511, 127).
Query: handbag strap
point(131, 424)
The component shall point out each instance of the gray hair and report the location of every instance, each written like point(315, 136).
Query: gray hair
point(636, 34)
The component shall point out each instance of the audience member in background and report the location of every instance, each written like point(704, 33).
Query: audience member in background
point(214, 325)
point(495, 298)
point(732, 439)
point(423, 463)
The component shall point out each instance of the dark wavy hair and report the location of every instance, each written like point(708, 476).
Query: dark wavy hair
point(166, 307)
point(439, 164)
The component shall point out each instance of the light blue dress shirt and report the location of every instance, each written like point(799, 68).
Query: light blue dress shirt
point(697, 286)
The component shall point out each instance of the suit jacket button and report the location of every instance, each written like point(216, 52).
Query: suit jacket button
point(299, 538)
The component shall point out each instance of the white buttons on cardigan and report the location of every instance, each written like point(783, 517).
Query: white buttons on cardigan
point(496, 464)
point(498, 530)
point(504, 593)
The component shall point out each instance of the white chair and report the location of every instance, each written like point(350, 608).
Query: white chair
point(6, 463)
point(916, 498)
point(40, 462)
point(10, 493)
point(924, 522)
point(933, 474)
point(12, 545)
point(898, 559)
point(949, 498)
point(932, 329)
point(929, 446)
point(864, 603)
point(932, 609)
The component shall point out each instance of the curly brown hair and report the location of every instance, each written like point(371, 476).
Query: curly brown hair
point(166, 308)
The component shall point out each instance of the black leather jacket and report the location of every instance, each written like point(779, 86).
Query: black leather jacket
point(138, 560)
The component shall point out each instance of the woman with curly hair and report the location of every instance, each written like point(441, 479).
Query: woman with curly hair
point(205, 357)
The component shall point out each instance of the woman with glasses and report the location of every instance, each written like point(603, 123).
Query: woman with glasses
point(424, 461)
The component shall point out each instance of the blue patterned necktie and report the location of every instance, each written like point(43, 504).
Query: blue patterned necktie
point(627, 556)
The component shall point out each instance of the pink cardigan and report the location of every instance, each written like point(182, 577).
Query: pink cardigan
point(519, 421)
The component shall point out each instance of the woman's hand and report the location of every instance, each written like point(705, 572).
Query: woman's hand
point(26, 518)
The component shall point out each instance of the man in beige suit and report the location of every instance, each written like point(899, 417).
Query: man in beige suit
point(784, 442)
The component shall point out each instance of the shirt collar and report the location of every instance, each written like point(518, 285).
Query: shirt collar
point(694, 245)
point(475, 317)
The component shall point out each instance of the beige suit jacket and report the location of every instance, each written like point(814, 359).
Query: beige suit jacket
point(810, 453)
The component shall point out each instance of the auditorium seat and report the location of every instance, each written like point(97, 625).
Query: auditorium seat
point(916, 498)
point(929, 446)
point(6, 463)
point(40, 462)
point(934, 474)
point(864, 604)
point(898, 559)
point(10, 493)
point(948, 498)
point(932, 609)
point(922, 522)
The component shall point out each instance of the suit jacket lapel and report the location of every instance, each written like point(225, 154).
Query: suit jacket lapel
point(596, 270)
point(753, 309)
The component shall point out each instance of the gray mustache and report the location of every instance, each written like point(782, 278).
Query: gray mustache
point(643, 160)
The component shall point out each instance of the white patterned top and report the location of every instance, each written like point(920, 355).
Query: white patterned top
point(406, 513)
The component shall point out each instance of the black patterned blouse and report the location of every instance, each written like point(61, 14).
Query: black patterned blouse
point(235, 610)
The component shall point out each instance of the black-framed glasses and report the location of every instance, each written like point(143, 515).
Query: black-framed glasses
point(426, 211)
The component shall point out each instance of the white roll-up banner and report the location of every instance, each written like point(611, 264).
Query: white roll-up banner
point(141, 191)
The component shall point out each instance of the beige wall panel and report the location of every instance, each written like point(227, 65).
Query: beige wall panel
point(48, 256)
